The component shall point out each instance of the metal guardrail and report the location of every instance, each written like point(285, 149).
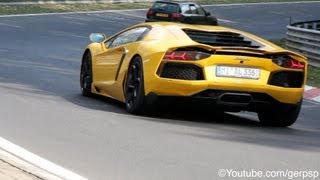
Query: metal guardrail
point(304, 38)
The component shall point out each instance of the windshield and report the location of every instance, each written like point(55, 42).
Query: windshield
point(168, 7)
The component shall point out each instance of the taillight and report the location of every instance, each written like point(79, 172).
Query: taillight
point(288, 62)
point(150, 12)
point(176, 15)
point(185, 55)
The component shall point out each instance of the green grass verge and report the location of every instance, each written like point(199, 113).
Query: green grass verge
point(313, 78)
point(51, 8)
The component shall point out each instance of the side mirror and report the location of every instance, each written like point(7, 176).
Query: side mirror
point(208, 13)
point(97, 37)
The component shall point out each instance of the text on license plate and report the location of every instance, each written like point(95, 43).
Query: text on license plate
point(239, 72)
point(162, 15)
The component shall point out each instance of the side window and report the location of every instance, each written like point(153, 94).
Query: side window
point(185, 9)
point(201, 11)
point(169, 7)
point(158, 5)
point(129, 36)
point(173, 8)
point(193, 9)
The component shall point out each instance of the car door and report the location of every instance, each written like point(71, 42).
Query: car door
point(108, 63)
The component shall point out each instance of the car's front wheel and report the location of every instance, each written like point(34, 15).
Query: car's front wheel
point(86, 74)
point(134, 87)
point(280, 116)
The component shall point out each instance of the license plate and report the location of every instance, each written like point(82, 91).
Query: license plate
point(162, 15)
point(238, 72)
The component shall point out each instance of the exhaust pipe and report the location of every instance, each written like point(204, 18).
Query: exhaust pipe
point(235, 99)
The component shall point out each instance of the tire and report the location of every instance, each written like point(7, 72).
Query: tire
point(214, 21)
point(280, 116)
point(134, 87)
point(86, 74)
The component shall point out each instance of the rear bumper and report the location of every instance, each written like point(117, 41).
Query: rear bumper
point(213, 91)
point(190, 78)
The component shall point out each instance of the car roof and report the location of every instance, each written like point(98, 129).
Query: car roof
point(191, 26)
point(175, 2)
point(176, 28)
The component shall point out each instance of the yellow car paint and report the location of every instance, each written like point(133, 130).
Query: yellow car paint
point(110, 70)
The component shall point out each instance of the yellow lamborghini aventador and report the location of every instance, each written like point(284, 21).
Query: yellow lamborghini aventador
point(226, 68)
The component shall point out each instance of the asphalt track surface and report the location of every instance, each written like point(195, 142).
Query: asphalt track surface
point(42, 109)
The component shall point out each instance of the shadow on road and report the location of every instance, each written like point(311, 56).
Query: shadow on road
point(239, 128)
point(97, 102)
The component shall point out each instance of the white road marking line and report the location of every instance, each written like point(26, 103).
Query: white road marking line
point(132, 15)
point(245, 115)
point(4, 50)
point(309, 106)
point(9, 25)
point(63, 33)
point(38, 161)
point(227, 21)
point(124, 10)
point(316, 99)
point(306, 88)
point(311, 101)
point(69, 13)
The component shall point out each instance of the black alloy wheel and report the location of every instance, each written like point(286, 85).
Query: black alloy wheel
point(86, 74)
point(134, 88)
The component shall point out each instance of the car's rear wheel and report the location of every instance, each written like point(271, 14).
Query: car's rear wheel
point(214, 21)
point(86, 74)
point(134, 87)
point(280, 116)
